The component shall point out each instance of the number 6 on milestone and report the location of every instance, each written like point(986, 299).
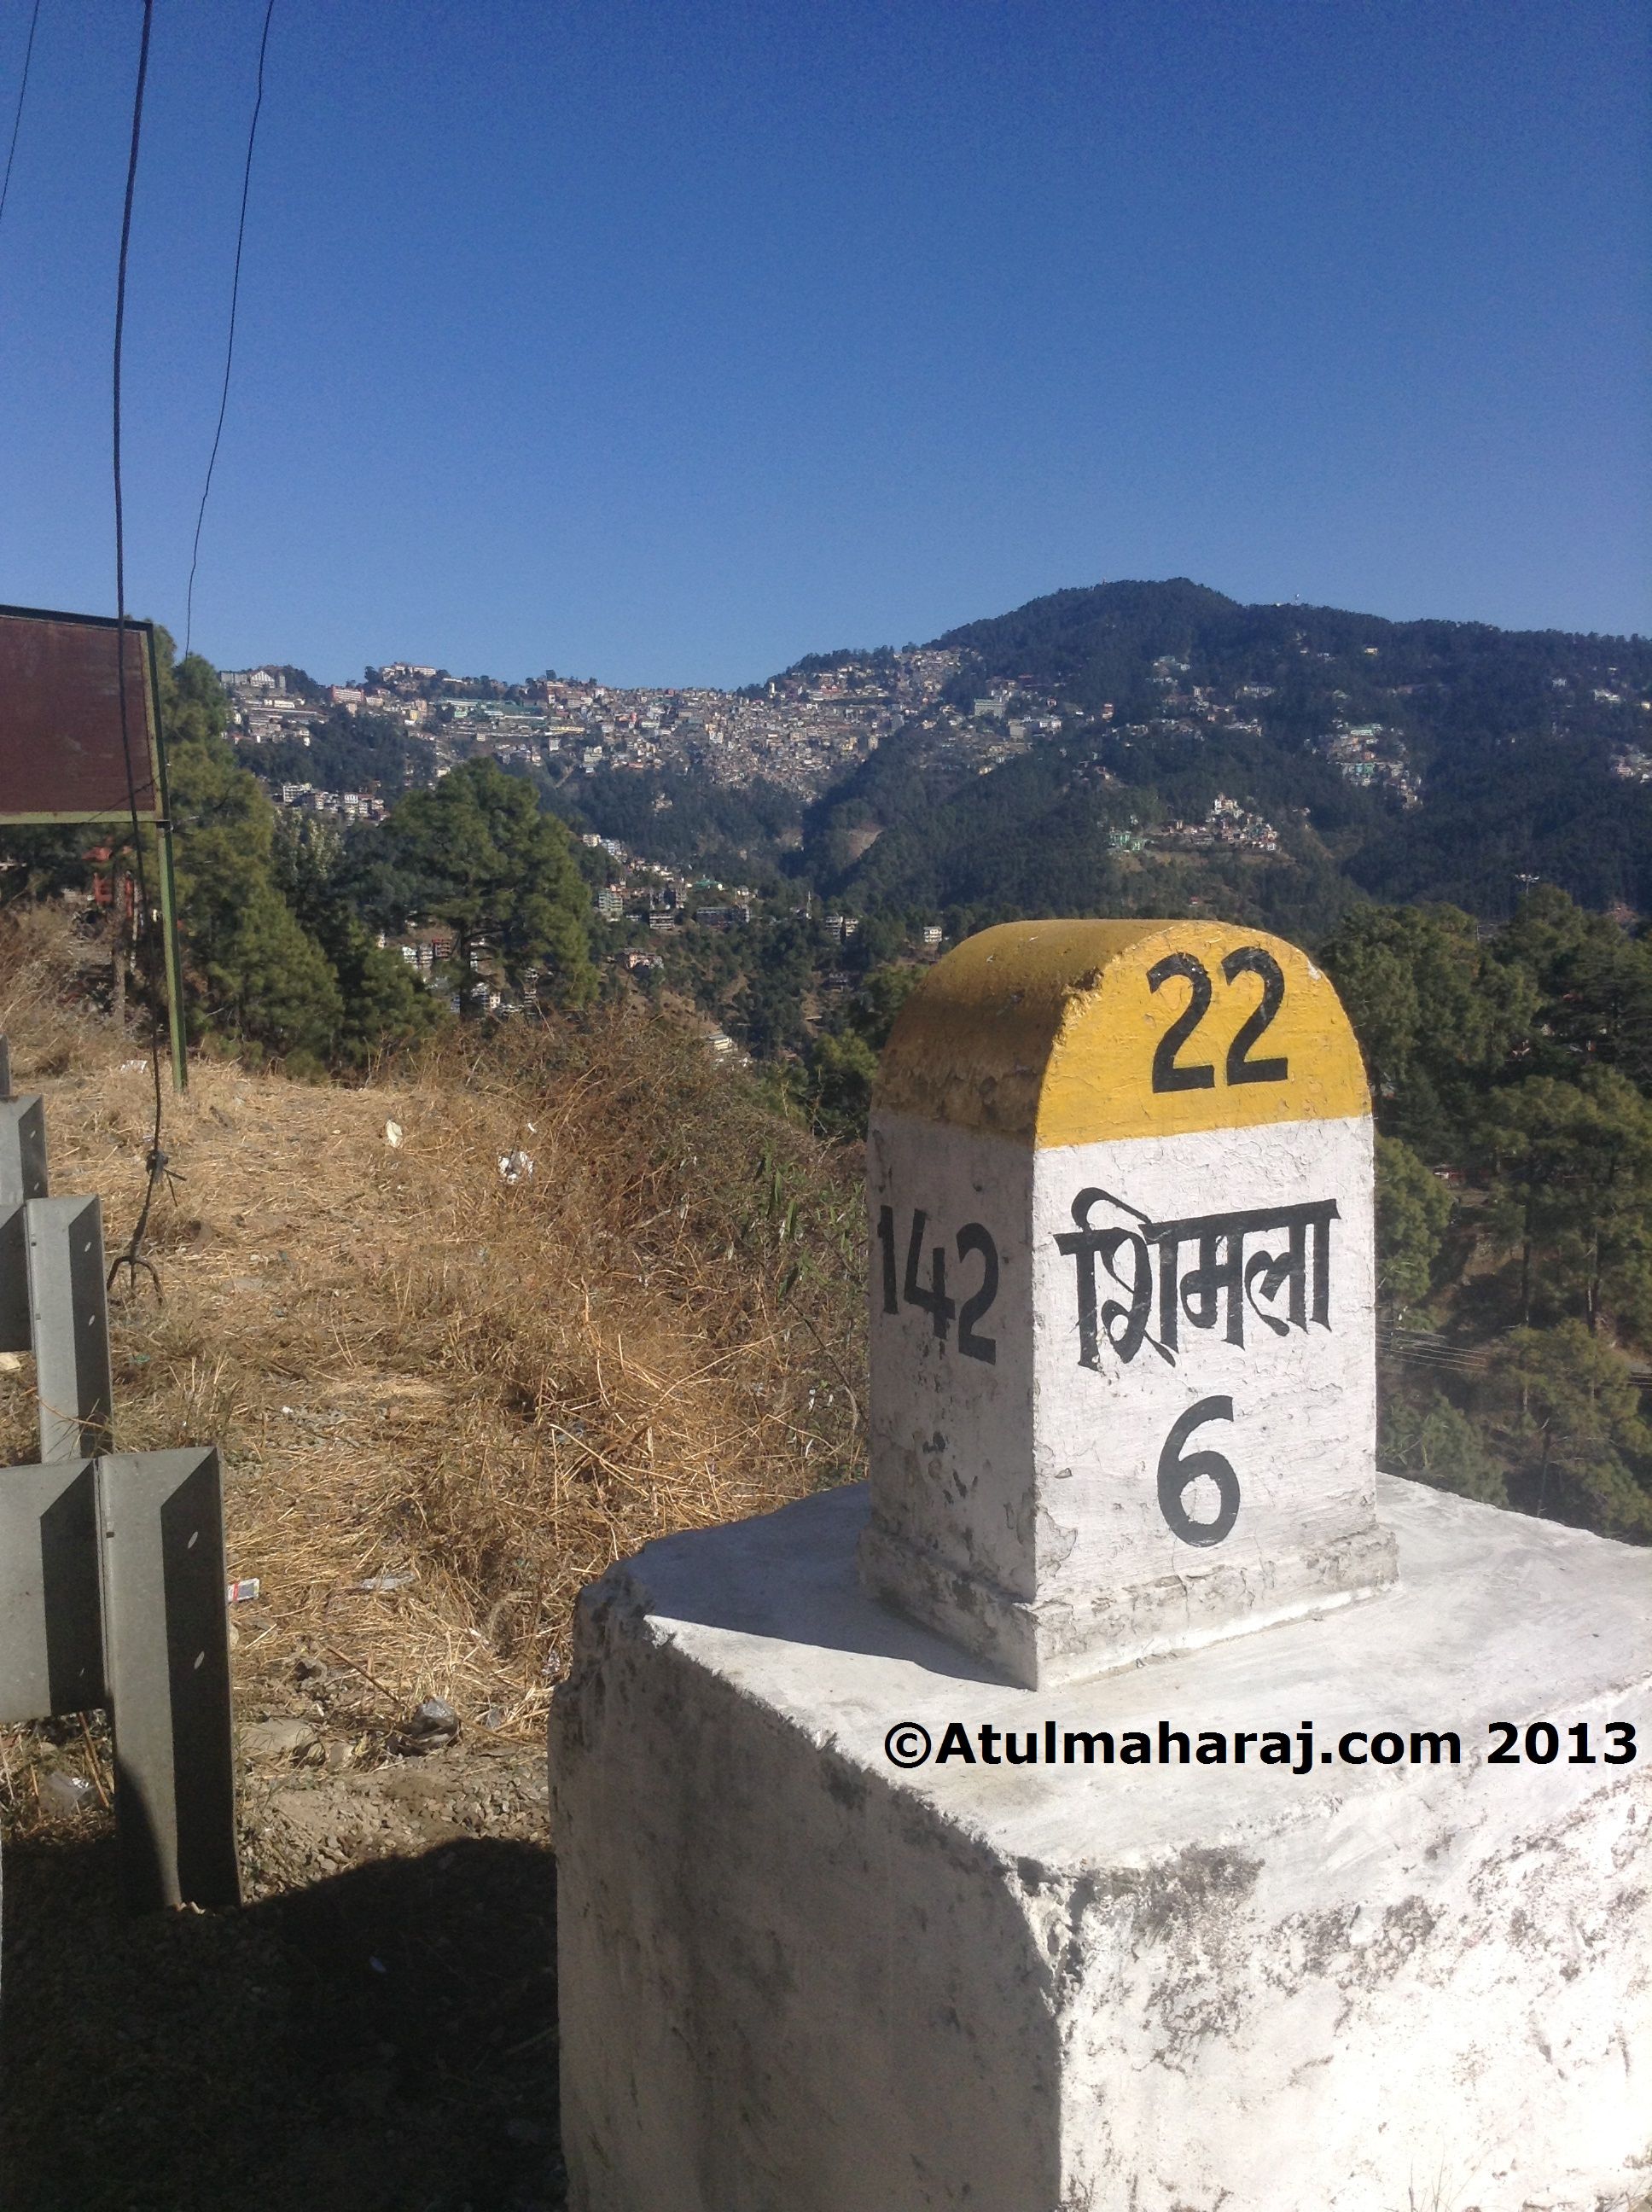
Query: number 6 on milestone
point(1119, 1179)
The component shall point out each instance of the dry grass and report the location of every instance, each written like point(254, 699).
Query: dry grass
point(415, 1369)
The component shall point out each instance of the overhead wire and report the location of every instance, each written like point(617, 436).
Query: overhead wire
point(229, 350)
point(17, 120)
point(132, 1258)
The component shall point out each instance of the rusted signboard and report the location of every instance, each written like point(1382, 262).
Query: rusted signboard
point(63, 753)
point(70, 754)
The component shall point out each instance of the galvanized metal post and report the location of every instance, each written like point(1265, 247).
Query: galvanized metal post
point(51, 1606)
point(15, 1333)
point(166, 1662)
point(22, 1149)
point(68, 1322)
point(22, 1176)
point(111, 1564)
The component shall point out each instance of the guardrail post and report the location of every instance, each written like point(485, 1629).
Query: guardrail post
point(22, 1148)
point(69, 1322)
point(165, 1642)
point(51, 1607)
point(22, 1176)
point(111, 1564)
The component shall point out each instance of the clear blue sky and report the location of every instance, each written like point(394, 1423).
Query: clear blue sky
point(665, 342)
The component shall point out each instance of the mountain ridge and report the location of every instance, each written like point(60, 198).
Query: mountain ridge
point(1422, 759)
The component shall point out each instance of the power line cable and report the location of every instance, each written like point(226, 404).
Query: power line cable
point(229, 350)
point(132, 1258)
point(17, 120)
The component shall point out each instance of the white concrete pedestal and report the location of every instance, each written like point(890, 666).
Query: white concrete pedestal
point(797, 1979)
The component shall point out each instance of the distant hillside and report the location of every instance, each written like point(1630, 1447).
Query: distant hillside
point(1075, 759)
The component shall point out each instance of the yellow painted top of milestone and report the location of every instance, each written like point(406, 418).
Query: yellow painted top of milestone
point(1075, 1032)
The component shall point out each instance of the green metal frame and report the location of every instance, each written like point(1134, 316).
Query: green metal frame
point(168, 882)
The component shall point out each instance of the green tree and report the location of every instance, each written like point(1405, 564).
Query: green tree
point(1436, 1020)
point(258, 974)
point(276, 952)
point(1594, 985)
point(768, 1012)
point(842, 1064)
point(874, 1007)
point(1412, 1211)
point(1576, 1412)
point(384, 1004)
point(841, 1070)
point(1574, 1189)
point(480, 856)
point(1438, 1443)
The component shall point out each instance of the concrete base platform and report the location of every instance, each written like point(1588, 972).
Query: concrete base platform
point(1042, 1643)
point(796, 1979)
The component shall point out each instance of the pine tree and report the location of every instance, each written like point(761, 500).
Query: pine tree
point(479, 856)
point(384, 1003)
point(258, 974)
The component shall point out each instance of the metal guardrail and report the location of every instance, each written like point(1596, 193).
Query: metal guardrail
point(111, 1564)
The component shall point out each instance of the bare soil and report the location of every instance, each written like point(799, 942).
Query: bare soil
point(375, 2029)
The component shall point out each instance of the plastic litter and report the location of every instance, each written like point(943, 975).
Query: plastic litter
point(393, 1134)
point(244, 1590)
point(65, 1793)
point(516, 1166)
point(384, 1582)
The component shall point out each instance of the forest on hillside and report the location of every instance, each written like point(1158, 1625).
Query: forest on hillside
point(1514, 755)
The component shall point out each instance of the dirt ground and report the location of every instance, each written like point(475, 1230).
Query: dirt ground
point(375, 2029)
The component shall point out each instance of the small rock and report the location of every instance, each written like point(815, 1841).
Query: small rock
point(277, 1738)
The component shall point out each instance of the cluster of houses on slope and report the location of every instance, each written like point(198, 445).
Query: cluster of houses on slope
point(1228, 826)
point(799, 731)
point(1374, 757)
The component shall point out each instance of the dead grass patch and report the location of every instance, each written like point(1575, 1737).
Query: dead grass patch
point(468, 1394)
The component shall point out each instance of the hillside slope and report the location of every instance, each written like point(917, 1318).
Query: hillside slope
point(416, 1367)
point(1400, 760)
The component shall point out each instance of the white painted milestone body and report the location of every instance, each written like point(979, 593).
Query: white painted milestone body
point(1123, 1358)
